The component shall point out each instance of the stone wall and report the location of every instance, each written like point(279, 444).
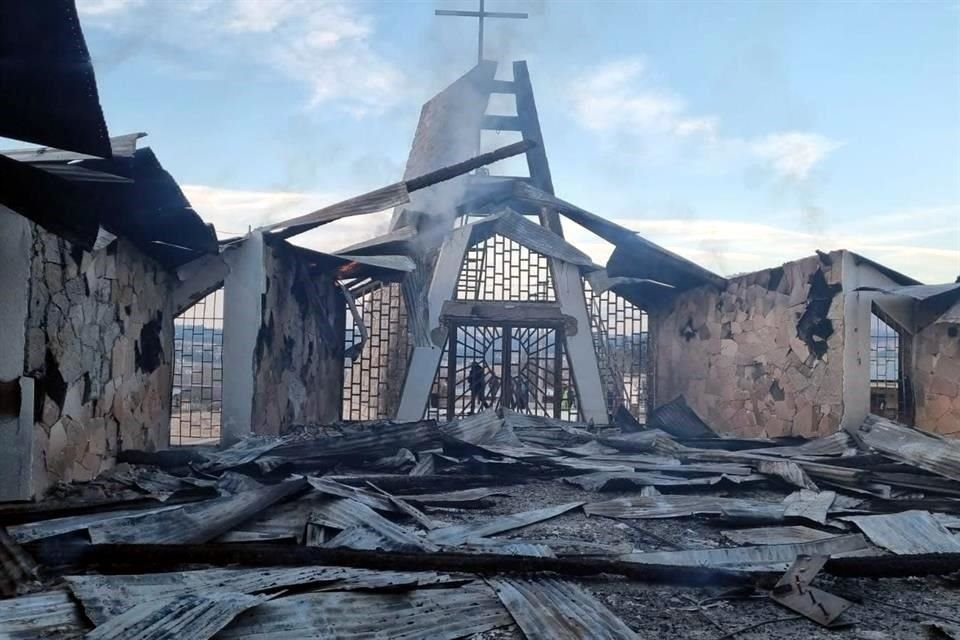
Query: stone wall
point(99, 344)
point(761, 358)
point(298, 362)
point(936, 379)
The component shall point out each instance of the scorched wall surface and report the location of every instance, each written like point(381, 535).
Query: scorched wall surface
point(763, 357)
point(99, 345)
point(936, 381)
point(298, 363)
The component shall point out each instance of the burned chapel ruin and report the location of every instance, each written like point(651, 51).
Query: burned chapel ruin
point(461, 428)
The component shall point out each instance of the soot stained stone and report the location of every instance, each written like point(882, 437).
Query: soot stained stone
point(148, 350)
point(814, 327)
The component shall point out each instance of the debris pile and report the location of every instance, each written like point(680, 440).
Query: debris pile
point(497, 525)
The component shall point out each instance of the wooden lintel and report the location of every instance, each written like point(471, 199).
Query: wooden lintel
point(516, 314)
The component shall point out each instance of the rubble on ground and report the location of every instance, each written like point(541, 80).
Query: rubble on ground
point(497, 525)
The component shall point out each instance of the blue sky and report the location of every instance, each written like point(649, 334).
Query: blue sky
point(739, 134)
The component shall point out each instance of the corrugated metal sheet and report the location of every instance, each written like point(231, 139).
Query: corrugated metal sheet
point(415, 289)
point(836, 444)
point(458, 534)
point(549, 609)
point(195, 522)
point(243, 452)
point(362, 440)
point(919, 292)
point(679, 420)
point(950, 316)
point(639, 442)
point(51, 614)
point(362, 526)
point(790, 472)
point(811, 505)
point(378, 200)
point(677, 506)
point(775, 535)
point(486, 427)
point(772, 557)
point(79, 173)
point(50, 91)
point(456, 499)
point(638, 256)
point(396, 242)
point(282, 520)
point(613, 481)
point(662, 464)
point(18, 571)
point(345, 267)
point(107, 596)
point(927, 451)
point(31, 531)
point(509, 547)
point(427, 614)
point(184, 617)
point(538, 238)
point(910, 532)
point(365, 496)
point(122, 146)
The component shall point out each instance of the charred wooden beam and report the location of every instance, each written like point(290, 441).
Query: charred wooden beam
point(447, 173)
point(903, 566)
point(125, 558)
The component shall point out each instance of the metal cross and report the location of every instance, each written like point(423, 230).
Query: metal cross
point(481, 15)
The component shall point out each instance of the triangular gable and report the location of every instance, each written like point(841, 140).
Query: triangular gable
point(531, 235)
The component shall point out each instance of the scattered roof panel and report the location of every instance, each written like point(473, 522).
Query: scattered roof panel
point(47, 81)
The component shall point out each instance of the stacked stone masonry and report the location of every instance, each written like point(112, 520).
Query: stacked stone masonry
point(936, 378)
point(763, 357)
point(298, 363)
point(99, 345)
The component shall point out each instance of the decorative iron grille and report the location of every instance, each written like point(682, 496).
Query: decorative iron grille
point(621, 339)
point(501, 269)
point(373, 382)
point(197, 402)
point(524, 369)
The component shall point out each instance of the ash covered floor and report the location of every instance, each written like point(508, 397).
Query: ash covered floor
point(498, 525)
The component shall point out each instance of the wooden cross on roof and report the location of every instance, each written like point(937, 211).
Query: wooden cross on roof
point(481, 14)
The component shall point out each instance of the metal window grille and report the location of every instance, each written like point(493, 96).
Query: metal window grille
point(373, 383)
point(886, 381)
point(197, 402)
point(621, 339)
point(500, 269)
point(524, 369)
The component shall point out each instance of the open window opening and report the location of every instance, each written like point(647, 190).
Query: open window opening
point(890, 391)
point(197, 403)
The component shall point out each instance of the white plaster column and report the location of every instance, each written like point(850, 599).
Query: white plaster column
point(425, 360)
point(580, 349)
point(16, 430)
point(243, 289)
point(857, 308)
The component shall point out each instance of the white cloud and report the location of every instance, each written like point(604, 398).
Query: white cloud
point(793, 154)
point(105, 7)
point(728, 247)
point(233, 212)
point(619, 98)
point(328, 47)
point(610, 98)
